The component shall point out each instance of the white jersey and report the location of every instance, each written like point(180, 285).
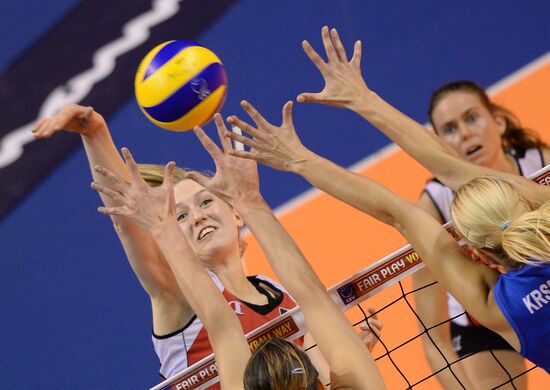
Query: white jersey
point(527, 162)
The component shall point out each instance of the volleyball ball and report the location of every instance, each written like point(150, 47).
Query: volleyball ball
point(180, 84)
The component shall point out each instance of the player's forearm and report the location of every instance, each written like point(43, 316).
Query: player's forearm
point(417, 141)
point(101, 150)
point(450, 372)
point(445, 259)
point(285, 257)
point(358, 191)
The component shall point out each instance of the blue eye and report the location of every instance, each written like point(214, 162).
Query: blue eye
point(182, 217)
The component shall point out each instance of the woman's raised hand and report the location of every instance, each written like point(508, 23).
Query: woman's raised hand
point(344, 83)
point(73, 118)
point(236, 179)
point(276, 146)
point(148, 206)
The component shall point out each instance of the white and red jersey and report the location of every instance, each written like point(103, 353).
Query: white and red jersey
point(528, 161)
point(180, 349)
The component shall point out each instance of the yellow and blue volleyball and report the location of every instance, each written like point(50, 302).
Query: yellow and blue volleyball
point(180, 84)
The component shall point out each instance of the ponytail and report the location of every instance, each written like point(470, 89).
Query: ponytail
point(526, 239)
point(491, 215)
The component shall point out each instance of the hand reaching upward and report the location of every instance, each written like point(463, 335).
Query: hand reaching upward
point(344, 83)
point(236, 179)
point(148, 206)
point(276, 146)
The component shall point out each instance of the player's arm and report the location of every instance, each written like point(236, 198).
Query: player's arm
point(349, 360)
point(279, 147)
point(345, 88)
point(430, 151)
point(236, 181)
point(316, 356)
point(170, 310)
point(153, 209)
point(432, 308)
point(432, 242)
point(369, 334)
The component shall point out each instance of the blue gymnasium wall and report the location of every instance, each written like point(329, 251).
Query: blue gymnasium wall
point(73, 314)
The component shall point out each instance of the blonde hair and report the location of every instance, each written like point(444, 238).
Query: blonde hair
point(491, 215)
point(279, 365)
point(153, 174)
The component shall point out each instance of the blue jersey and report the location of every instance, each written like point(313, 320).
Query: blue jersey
point(523, 295)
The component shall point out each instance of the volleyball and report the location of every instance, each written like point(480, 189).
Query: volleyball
point(180, 84)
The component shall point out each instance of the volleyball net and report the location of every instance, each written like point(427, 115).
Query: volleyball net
point(384, 279)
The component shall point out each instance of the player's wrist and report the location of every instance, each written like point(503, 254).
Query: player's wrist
point(97, 130)
point(249, 202)
point(301, 161)
point(166, 229)
point(365, 102)
point(302, 165)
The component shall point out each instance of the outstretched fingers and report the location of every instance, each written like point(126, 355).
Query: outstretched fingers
point(121, 211)
point(168, 184)
point(109, 192)
point(245, 154)
point(208, 144)
point(222, 131)
point(39, 128)
point(168, 180)
point(254, 114)
point(338, 46)
point(356, 58)
point(332, 54)
point(287, 114)
point(313, 56)
point(198, 178)
point(236, 121)
point(115, 182)
point(132, 166)
point(239, 138)
point(126, 207)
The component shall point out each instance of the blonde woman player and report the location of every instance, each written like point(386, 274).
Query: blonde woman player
point(513, 242)
point(278, 364)
point(179, 337)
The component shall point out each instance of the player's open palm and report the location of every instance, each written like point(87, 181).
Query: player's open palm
point(344, 82)
point(276, 146)
point(148, 206)
point(236, 179)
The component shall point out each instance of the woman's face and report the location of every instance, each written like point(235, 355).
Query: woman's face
point(210, 224)
point(465, 124)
